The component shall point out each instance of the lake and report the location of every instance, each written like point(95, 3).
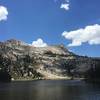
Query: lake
point(49, 90)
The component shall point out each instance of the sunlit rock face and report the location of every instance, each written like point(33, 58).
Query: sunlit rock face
point(25, 62)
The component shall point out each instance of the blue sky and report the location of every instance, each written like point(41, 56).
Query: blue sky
point(29, 20)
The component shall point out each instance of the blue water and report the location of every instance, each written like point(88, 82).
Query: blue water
point(49, 90)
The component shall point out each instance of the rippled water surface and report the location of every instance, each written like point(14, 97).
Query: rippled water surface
point(49, 90)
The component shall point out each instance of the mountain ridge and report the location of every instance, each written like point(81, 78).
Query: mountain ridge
point(20, 61)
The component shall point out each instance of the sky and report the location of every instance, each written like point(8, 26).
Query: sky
point(74, 23)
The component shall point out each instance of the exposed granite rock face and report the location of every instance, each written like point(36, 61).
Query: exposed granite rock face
point(21, 61)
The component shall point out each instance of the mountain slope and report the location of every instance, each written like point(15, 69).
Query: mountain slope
point(21, 61)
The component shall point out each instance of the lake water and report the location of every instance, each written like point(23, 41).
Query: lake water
point(49, 90)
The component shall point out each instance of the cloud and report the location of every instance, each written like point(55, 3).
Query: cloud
point(65, 6)
point(89, 34)
point(3, 13)
point(39, 43)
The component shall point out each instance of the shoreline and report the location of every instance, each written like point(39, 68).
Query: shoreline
point(22, 80)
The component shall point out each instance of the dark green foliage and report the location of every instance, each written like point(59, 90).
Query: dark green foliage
point(93, 74)
point(4, 76)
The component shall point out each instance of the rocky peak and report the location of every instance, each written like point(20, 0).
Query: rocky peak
point(13, 42)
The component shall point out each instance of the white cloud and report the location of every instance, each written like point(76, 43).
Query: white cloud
point(3, 13)
point(89, 34)
point(39, 43)
point(65, 6)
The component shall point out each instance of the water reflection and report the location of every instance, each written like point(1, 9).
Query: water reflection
point(49, 90)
